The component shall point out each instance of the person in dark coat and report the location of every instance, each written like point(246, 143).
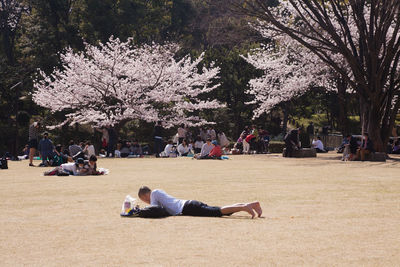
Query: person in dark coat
point(112, 142)
point(367, 147)
point(292, 142)
point(46, 149)
point(158, 139)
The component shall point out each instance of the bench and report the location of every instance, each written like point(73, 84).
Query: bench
point(303, 153)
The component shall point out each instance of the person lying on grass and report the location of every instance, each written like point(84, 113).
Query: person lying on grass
point(80, 167)
point(176, 206)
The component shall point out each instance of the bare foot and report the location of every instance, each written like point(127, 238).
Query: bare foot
point(257, 207)
point(249, 209)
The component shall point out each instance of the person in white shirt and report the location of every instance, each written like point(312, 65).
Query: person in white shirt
point(183, 148)
point(73, 168)
point(176, 206)
point(169, 150)
point(318, 145)
point(89, 150)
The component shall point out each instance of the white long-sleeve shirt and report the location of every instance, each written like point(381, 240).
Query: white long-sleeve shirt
point(173, 205)
point(183, 149)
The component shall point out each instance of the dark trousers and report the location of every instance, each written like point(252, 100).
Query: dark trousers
point(289, 149)
point(158, 146)
point(111, 149)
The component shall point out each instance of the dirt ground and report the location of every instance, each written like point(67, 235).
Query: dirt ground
point(316, 212)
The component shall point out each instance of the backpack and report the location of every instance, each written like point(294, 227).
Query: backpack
point(3, 163)
point(148, 212)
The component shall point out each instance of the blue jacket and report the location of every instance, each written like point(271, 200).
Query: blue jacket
point(45, 146)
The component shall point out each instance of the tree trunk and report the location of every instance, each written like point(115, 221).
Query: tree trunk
point(285, 118)
point(343, 123)
point(371, 123)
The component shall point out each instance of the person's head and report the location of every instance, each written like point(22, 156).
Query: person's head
point(92, 160)
point(319, 137)
point(46, 135)
point(88, 143)
point(365, 135)
point(184, 142)
point(198, 138)
point(170, 142)
point(144, 194)
point(182, 125)
point(159, 123)
point(71, 142)
point(214, 143)
point(80, 162)
point(58, 148)
point(348, 137)
point(208, 141)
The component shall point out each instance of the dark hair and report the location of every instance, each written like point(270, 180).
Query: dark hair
point(143, 190)
point(208, 140)
point(71, 142)
point(93, 158)
point(366, 134)
point(182, 125)
point(319, 137)
point(58, 148)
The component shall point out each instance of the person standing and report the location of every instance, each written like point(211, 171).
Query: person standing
point(33, 141)
point(46, 149)
point(112, 141)
point(158, 138)
point(181, 133)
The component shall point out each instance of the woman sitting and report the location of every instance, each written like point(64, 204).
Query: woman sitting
point(183, 148)
point(215, 153)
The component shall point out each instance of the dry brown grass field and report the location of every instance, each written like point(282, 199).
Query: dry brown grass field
point(317, 212)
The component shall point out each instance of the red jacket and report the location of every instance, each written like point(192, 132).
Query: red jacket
point(249, 137)
point(216, 152)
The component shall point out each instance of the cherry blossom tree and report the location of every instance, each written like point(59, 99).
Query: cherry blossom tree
point(366, 35)
point(116, 82)
point(290, 71)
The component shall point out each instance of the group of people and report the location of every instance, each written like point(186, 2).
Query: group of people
point(55, 155)
point(254, 139)
point(357, 148)
point(208, 144)
point(128, 149)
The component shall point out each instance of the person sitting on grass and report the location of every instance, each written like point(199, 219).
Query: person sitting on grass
point(206, 149)
point(136, 148)
point(318, 145)
point(169, 150)
point(215, 153)
point(176, 206)
point(396, 147)
point(183, 148)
